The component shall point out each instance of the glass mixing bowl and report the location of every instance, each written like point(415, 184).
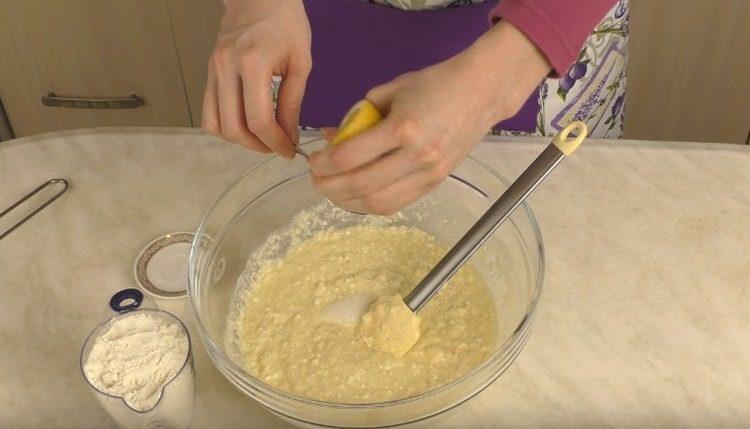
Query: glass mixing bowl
point(264, 201)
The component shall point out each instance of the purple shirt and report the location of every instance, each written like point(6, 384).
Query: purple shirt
point(357, 45)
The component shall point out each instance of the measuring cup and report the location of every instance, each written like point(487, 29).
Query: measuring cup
point(174, 409)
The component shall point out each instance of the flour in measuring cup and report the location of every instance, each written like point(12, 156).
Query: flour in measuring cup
point(136, 357)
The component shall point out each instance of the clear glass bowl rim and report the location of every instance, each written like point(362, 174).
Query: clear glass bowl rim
point(520, 333)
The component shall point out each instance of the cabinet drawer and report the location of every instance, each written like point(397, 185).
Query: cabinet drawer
point(93, 51)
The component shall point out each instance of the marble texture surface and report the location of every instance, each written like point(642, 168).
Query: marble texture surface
point(644, 320)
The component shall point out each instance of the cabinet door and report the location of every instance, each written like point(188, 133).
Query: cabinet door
point(689, 71)
point(195, 24)
point(89, 48)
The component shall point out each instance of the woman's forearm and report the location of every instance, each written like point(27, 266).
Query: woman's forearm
point(557, 27)
point(507, 67)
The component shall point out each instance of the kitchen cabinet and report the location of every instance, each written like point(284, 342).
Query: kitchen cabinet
point(688, 71)
point(84, 49)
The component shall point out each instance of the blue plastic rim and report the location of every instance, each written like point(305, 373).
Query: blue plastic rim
point(117, 302)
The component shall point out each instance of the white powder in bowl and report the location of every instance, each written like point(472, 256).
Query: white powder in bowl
point(136, 357)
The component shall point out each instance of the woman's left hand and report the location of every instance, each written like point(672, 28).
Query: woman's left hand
point(433, 119)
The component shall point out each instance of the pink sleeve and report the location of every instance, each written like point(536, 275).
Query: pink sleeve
point(558, 27)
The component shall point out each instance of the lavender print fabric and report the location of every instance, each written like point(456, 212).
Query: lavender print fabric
point(593, 90)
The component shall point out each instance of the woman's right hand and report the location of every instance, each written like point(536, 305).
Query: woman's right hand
point(258, 39)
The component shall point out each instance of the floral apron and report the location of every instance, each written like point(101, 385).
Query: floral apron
point(357, 45)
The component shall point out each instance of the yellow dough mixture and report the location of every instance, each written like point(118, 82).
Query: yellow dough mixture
point(389, 326)
point(287, 342)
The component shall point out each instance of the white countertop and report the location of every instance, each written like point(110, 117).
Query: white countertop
point(645, 314)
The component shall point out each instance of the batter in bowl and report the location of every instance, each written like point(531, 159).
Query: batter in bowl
point(285, 340)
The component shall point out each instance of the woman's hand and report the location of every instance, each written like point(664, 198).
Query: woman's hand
point(258, 39)
point(433, 119)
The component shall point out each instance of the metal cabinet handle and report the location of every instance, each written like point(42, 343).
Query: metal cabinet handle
point(131, 102)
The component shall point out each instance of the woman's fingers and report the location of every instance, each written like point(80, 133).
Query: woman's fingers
point(290, 98)
point(354, 152)
point(258, 108)
point(368, 179)
point(210, 116)
point(231, 110)
point(256, 40)
point(393, 198)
